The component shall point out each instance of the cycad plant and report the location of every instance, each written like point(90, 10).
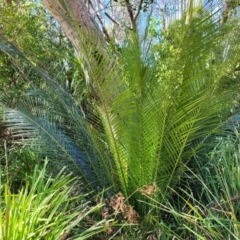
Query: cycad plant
point(151, 112)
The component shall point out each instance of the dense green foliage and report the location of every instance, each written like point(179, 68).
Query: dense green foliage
point(43, 209)
point(146, 135)
point(30, 28)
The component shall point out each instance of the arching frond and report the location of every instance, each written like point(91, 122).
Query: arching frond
point(150, 116)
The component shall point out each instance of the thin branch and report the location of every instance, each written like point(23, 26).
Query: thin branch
point(103, 9)
point(139, 10)
point(112, 19)
point(101, 22)
point(130, 12)
point(106, 34)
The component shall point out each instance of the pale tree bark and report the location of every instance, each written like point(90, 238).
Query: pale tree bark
point(74, 18)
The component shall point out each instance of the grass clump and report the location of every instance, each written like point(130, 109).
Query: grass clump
point(46, 209)
point(210, 211)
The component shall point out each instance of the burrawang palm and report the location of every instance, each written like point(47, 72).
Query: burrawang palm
point(149, 116)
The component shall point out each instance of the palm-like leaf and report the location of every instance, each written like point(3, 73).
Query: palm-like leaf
point(52, 113)
point(150, 114)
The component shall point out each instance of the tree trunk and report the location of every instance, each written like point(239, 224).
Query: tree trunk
point(75, 19)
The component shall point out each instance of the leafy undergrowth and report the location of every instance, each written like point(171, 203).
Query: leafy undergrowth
point(47, 207)
point(211, 210)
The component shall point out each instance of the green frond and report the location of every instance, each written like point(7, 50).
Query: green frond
point(149, 117)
